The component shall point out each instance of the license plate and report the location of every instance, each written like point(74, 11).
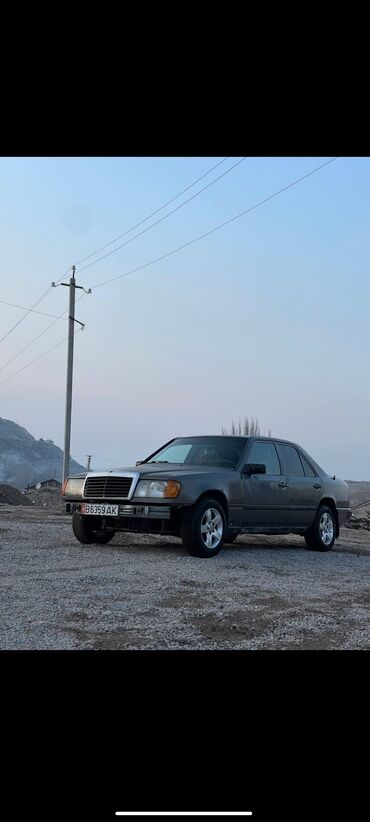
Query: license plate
point(99, 509)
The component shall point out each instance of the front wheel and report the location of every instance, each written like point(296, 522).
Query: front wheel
point(87, 532)
point(321, 535)
point(203, 528)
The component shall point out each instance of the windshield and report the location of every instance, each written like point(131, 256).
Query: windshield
point(222, 451)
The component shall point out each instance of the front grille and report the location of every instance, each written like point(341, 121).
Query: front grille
point(108, 487)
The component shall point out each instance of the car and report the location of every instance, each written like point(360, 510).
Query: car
point(208, 490)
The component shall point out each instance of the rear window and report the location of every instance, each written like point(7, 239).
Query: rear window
point(292, 463)
point(306, 467)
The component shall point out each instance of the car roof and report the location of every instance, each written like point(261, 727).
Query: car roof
point(239, 437)
point(259, 437)
point(214, 436)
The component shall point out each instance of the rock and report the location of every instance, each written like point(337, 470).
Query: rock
point(357, 523)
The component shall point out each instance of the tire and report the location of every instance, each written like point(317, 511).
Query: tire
point(321, 535)
point(205, 523)
point(86, 533)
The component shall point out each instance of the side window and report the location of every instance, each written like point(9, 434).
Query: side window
point(265, 453)
point(292, 464)
point(306, 467)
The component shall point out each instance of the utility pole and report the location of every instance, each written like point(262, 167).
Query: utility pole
point(71, 329)
point(67, 427)
point(88, 462)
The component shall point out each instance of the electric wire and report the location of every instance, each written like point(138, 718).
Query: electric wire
point(26, 314)
point(29, 310)
point(24, 308)
point(61, 316)
point(217, 227)
point(38, 358)
point(153, 213)
point(117, 249)
point(45, 293)
point(174, 251)
point(161, 219)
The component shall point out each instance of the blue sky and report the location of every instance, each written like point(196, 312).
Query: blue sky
point(267, 317)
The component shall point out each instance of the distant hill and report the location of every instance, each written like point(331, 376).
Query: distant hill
point(23, 459)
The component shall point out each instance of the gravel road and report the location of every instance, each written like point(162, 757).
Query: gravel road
point(141, 592)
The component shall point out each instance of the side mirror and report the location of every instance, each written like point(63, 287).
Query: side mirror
point(253, 468)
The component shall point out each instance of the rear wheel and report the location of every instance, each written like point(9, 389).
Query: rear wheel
point(87, 532)
point(321, 535)
point(203, 528)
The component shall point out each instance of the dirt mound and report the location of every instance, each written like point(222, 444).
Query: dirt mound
point(46, 498)
point(11, 496)
point(358, 522)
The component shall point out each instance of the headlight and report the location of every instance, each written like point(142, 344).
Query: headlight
point(73, 488)
point(158, 488)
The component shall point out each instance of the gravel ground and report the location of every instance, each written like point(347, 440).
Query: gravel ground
point(145, 592)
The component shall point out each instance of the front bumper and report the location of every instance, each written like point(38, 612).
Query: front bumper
point(135, 510)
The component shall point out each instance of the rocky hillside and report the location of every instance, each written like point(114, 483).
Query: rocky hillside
point(23, 459)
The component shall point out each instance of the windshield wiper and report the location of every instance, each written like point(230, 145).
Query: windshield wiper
point(158, 462)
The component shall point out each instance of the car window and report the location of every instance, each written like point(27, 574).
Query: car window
point(174, 453)
point(221, 451)
point(306, 467)
point(292, 464)
point(222, 454)
point(265, 453)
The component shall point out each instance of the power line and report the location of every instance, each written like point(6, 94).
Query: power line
point(60, 317)
point(29, 310)
point(121, 246)
point(26, 314)
point(217, 227)
point(31, 343)
point(153, 213)
point(24, 308)
point(38, 358)
point(148, 228)
point(180, 248)
point(45, 293)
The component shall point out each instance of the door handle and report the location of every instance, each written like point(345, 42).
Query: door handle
point(317, 485)
point(283, 484)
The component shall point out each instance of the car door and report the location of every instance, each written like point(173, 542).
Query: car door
point(266, 501)
point(304, 486)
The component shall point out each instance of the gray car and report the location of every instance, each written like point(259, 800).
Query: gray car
point(208, 490)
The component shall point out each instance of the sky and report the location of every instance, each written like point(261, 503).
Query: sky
point(267, 317)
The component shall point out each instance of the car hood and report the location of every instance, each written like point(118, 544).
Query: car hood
point(158, 471)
